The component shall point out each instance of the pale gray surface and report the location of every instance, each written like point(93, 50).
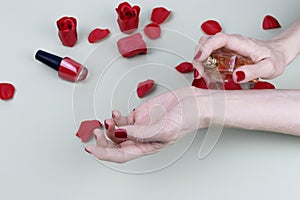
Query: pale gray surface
point(42, 159)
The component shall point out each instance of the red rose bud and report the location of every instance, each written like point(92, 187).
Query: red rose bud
point(270, 22)
point(86, 129)
point(152, 30)
point(144, 87)
point(159, 15)
point(67, 31)
point(98, 34)
point(211, 27)
point(128, 17)
point(7, 91)
point(185, 67)
point(263, 85)
point(132, 45)
point(199, 83)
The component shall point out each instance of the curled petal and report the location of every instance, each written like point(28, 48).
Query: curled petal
point(185, 67)
point(152, 30)
point(86, 129)
point(270, 22)
point(98, 34)
point(159, 15)
point(211, 27)
point(144, 87)
point(7, 91)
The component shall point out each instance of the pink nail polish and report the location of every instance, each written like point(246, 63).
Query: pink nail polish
point(198, 55)
point(106, 125)
point(121, 133)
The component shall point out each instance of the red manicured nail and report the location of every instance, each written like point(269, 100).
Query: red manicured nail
point(159, 15)
point(87, 150)
point(230, 85)
point(211, 27)
point(196, 73)
point(120, 133)
point(7, 91)
point(198, 55)
point(184, 67)
point(152, 30)
point(106, 125)
point(98, 34)
point(144, 87)
point(240, 76)
point(270, 22)
point(67, 31)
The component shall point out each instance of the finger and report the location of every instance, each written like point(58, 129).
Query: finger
point(110, 129)
point(101, 139)
point(241, 44)
point(264, 69)
point(121, 120)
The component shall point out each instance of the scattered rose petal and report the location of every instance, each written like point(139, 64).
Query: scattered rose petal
point(185, 67)
point(132, 45)
point(211, 27)
point(270, 22)
point(7, 91)
point(159, 15)
point(67, 31)
point(199, 83)
point(98, 34)
point(144, 87)
point(152, 30)
point(231, 85)
point(263, 85)
point(128, 17)
point(86, 129)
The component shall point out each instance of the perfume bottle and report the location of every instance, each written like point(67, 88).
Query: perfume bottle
point(220, 65)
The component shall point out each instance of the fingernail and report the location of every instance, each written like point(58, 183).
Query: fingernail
point(133, 109)
point(106, 125)
point(240, 76)
point(87, 150)
point(196, 73)
point(95, 136)
point(120, 133)
point(113, 115)
point(198, 55)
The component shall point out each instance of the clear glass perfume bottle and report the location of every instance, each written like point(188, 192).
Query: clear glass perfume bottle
point(221, 63)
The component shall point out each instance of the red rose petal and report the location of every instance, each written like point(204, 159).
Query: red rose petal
point(263, 85)
point(199, 83)
point(270, 22)
point(132, 45)
point(231, 85)
point(7, 91)
point(86, 129)
point(144, 87)
point(152, 30)
point(185, 67)
point(159, 15)
point(98, 34)
point(211, 27)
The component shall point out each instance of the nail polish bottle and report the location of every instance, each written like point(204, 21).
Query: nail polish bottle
point(67, 68)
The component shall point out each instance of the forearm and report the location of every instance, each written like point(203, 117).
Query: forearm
point(288, 41)
point(265, 110)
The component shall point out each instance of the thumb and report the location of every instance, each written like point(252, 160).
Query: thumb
point(248, 73)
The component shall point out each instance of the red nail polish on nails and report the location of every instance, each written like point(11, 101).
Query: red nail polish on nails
point(240, 76)
point(198, 55)
point(67, 68)
point(106, 125)
point(87, 150)
point(120, 133)
point(196, 73)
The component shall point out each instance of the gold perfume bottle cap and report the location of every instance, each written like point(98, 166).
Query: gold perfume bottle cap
point(210, 62)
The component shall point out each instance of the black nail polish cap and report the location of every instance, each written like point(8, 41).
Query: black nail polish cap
point(48, 59)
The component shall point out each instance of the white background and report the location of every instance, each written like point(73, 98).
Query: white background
point(40, 157)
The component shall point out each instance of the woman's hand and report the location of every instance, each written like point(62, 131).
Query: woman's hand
point(151, 126)
point(269, 57)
